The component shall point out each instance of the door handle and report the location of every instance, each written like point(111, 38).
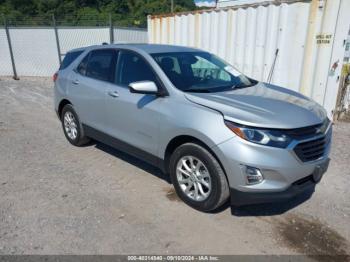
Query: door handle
point(113, 93)
point(75, 82)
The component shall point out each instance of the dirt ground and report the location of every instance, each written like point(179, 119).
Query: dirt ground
point(60, 199)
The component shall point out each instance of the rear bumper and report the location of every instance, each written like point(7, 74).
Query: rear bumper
point(300, 187)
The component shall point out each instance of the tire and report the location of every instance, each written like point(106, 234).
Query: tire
point(207, 177)
point(76, 137)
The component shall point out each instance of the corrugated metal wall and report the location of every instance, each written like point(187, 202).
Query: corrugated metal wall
point(248, 37)
point(226, 3)
point(35, 49)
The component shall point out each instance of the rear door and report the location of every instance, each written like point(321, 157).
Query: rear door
point(63, 72)
point(89, 84)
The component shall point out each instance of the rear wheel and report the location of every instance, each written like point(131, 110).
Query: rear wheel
point(71, 126)
point(198, 177)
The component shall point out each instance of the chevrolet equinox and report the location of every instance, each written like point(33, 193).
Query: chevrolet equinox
point(218, 133)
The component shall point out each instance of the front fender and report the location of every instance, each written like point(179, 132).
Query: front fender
point(189, 119)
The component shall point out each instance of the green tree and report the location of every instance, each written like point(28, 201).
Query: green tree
point(87, 12)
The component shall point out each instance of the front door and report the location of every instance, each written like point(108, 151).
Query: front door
point(133, 118)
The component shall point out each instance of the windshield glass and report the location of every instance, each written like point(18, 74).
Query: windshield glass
point(200, 72)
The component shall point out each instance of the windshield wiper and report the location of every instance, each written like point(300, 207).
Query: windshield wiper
point(242, 86)
point(253, 83)
point(239, 86)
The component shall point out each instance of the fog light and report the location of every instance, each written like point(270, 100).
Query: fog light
point(254, 175)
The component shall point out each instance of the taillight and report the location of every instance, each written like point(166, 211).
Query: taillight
point(54, 77)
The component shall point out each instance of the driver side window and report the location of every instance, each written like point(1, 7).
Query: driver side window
point(132, 68)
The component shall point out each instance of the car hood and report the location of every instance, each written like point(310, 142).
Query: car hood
point(263, 105)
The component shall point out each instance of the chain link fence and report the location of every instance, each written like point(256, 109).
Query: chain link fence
point(36, 46)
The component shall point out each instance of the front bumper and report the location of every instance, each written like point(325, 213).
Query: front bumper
point(283, 171)
point(239, 198)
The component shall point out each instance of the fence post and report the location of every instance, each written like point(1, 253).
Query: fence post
point(57, 39)
point(15, 77)
point(111, 30)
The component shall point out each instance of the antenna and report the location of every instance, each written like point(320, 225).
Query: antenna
point(269, 78)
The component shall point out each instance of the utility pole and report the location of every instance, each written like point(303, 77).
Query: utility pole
point(111, 30)
point(172, 6)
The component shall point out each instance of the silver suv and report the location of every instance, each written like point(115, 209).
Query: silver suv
point(215, 131)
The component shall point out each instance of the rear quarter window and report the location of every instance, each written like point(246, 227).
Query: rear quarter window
point(69, 58)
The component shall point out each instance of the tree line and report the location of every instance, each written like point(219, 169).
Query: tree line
point(87, 12)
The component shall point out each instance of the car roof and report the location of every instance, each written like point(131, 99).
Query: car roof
point(148, 48)
point(158, 48)
point(77, 49)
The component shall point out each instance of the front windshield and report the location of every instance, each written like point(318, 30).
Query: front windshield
point(200, 72)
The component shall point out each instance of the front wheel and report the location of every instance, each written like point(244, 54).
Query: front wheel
point(198, 178)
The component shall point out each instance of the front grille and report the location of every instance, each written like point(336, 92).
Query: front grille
point(308, 132)
point(302, 133)
point(312, 150)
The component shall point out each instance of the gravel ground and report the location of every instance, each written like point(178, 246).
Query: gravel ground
point(60, 199)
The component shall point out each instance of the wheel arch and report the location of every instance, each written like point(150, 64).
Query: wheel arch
point(183, 139)
point(61, 106)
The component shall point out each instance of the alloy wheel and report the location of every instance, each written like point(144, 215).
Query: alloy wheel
point(194, 178)
point(70, 125)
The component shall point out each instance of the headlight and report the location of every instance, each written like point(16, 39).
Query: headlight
point(275, 138)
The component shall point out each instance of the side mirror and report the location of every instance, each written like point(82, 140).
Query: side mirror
point(143, 87)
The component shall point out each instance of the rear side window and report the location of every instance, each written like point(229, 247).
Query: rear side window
point(83, 65)
point(101, 65)
point(69, 58)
